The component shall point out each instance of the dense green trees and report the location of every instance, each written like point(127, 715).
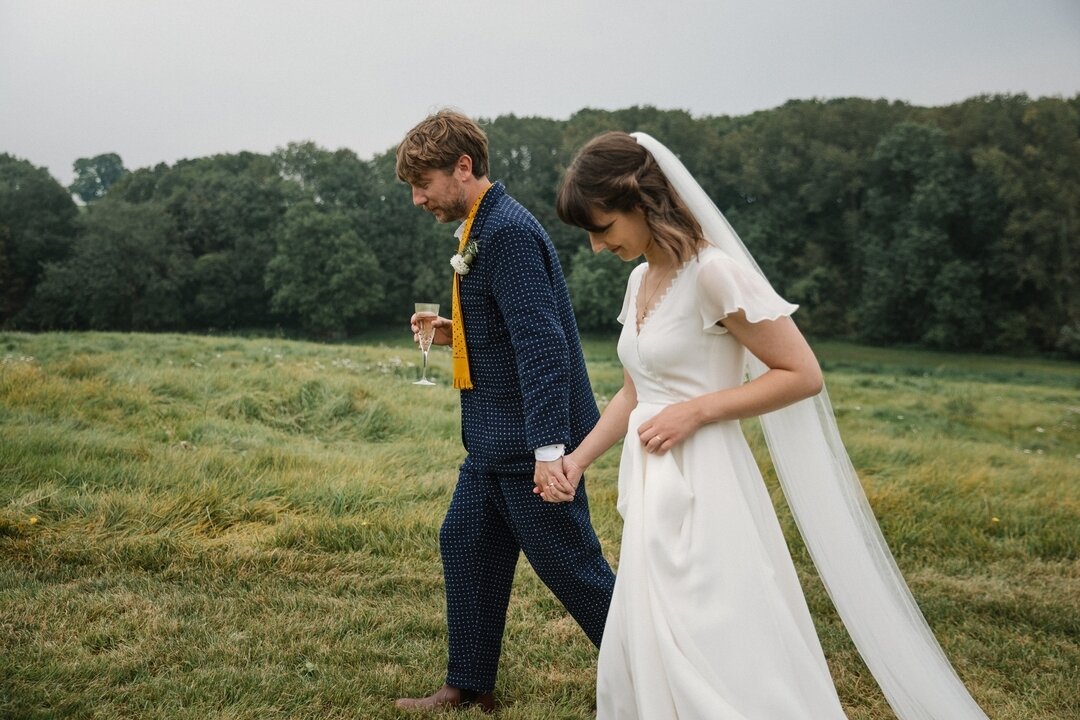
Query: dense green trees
point(953, 227)
point(324, 275)
point(37, 218)
point(126, 271)
point(94, 176)
point(913, 199)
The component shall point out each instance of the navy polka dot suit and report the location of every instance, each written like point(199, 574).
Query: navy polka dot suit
point(530, 389)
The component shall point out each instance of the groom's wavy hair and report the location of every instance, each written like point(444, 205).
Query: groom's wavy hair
point(437, 142)
point(613, 173)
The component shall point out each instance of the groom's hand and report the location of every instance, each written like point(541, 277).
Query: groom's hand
point(551, 482)
point(444, 331)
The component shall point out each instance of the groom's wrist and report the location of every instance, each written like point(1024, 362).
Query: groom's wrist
point(548, 453)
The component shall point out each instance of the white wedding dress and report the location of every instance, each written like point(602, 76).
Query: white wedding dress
point(708, 620)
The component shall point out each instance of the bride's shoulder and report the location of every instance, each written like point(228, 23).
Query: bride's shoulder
point(710, 261)
point(716, 270)
point(712, 254)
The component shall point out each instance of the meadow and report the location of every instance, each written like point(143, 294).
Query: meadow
point(222, 527)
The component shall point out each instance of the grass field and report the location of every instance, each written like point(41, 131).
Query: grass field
point(215, 527)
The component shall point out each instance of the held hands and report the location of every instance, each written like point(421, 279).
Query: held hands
point(669, 427)
point(444, 331)
point(557, 481)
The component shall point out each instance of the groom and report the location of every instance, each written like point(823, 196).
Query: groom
point(525, 400)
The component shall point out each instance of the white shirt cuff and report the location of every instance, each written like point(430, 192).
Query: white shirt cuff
point(549, 452)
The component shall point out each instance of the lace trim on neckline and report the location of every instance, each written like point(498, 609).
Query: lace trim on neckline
point(643, 320)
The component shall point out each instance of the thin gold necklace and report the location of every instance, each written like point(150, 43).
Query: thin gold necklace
point(649, 295)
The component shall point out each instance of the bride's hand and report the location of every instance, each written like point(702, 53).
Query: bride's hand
point(669, 427)
point(573, 471)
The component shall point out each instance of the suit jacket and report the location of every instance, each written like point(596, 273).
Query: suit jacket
point(530, 385)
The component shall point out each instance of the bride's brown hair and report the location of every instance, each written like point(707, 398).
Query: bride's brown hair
point(613, 173)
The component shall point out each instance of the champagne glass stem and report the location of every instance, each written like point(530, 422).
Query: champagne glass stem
point(426, 315)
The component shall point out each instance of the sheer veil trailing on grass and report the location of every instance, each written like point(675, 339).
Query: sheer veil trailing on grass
point(836, 521)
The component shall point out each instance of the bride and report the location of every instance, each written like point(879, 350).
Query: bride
point(708, 619)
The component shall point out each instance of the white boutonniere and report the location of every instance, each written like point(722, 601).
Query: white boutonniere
point(463, 260)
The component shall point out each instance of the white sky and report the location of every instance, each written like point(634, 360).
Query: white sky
point(157, 80)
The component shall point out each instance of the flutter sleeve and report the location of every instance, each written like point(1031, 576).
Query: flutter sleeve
point(725, 286)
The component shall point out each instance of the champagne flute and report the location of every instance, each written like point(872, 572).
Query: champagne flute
point(425, 317)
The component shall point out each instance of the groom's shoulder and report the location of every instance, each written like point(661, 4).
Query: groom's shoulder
point(509, 218)
point(508, 207)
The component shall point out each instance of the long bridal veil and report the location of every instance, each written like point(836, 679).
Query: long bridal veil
point(836, 521)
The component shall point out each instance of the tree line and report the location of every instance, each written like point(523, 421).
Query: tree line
point(950, 227)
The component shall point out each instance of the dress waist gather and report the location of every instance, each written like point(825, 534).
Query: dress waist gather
point(658, 402)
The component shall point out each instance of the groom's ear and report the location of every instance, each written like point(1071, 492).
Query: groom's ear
point(463, 168)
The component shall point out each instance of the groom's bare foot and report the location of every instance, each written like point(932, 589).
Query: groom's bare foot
point(449, 697)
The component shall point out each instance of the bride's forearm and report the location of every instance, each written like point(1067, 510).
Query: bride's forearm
point(771, 391)
point(609, 430)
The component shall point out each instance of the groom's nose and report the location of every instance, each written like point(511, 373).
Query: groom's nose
point(419, 197)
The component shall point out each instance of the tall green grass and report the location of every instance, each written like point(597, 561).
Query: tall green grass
point(207, 527)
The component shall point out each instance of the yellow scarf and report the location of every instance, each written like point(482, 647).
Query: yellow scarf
point(462, 378)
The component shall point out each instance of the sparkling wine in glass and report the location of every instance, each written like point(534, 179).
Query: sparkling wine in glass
point(425, 317)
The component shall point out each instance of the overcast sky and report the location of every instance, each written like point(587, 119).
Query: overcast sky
point(159, 81)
